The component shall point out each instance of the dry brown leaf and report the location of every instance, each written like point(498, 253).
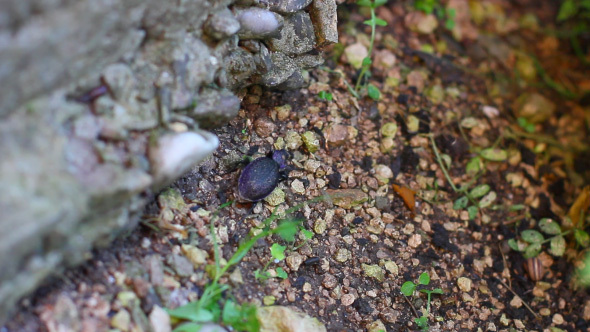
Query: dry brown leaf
point(407, 195)
point(582, 203)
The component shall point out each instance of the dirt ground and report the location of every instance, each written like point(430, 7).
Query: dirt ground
point(445, 102)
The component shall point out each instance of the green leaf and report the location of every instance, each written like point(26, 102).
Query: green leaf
point(307, 234)
point(240, 317)
point(281, 273)
point(449, 24)
point(437, 291)
point(191, 311)
point(473, 166)
point(377, 3)
point(487, 200)
point(472, 212)
point(323, 95)
point(451, 13)
point(188, 327)
point(373, 92)
point(494, 154)
point(461, 203)
point(422, 322)
point(516, 207)
point(278, 251)
point(364, 3)
point(557, 246)
point(532, 236)
point(408, 288)
point(479, 191)
point(380, 22)
point(517, 245)
point(287, 230)
point(532, 250)
point(582, 237)
point(568, 9)
point(548, 226)
point(424, 278)
point(367, 62)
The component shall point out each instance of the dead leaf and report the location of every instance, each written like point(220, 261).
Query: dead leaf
point(581, 204)
point(407, 195)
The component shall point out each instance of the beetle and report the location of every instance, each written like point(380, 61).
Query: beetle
point(261, 176)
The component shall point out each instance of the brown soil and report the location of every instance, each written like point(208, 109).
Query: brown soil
point(485, 283)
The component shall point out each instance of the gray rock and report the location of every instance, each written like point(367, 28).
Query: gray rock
point(309, 60)
point(181, 265)
point(296, 37)
point(283, 67)
point(258, 23)
point(239, 67)
point(295, 81)
point(325, 21)
point(221, 25)
point(285, 6)
point(215, 108)
point(133, 66)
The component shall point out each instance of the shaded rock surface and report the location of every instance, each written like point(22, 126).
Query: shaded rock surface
point(100, 106)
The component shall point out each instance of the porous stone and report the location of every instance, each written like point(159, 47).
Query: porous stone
point(296, 36)
point(214, 108)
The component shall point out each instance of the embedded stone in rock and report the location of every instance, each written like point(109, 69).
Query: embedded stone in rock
point(308, 61)
point(296, 36)
point(215, 108)
point(282, 69)
point(258, 23)
point(295, 81)
point(120, 80)
point(174, 154)
point(285, 6)
point(239, 65)
point(325, 21)
point(221, 24)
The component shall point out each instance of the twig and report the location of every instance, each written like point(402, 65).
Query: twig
point(411, 306)
point(523, 302)
point(505, 262)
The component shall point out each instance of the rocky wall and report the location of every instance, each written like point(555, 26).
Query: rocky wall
point(105, 101)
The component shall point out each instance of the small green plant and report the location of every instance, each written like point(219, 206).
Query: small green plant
point(372, 91)
point(434, 6)
point(211, 306)
point(409, 288)
point(361, 82)
point(531, 241)
point(526, 125)
point(326, 96)
point(472, 198)
point(574, 15)
point(277, 253)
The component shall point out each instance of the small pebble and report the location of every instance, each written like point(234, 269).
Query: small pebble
point(558, 319)
point(415, 240)
point(294, 261)
point(330, 281)
point(374, 271)
point(342, 255)
point(298, 186)
point(464, 284)
point(347, 299)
